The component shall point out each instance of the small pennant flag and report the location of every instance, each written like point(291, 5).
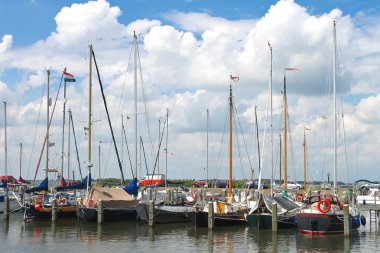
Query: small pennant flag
point(234, 78)
point(291, 69)
point(68, 77)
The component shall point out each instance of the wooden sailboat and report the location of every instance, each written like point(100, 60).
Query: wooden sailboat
point(261, 214)
point(117, 203)
point(41, 204)
point(323, 213)
point(226, 212)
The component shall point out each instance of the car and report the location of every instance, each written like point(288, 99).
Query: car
point(293, 185)
point(254, 185)
point(200, 183)
point(326, 186)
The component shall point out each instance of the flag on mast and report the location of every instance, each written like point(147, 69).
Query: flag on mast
point(234, 78)
point(68, 77)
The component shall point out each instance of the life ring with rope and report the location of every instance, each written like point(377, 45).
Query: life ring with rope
point(300, 197)
point(327, 206)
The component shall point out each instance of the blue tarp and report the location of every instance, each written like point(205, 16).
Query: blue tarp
point(81, 185)
point(42, 187)
point(132, 188)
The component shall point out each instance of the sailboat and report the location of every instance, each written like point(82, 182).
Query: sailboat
point(117, 203)
point(323, 213)
point(41, 202)
point(226, 211)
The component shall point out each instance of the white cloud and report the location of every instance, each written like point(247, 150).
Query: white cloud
point(6, 43)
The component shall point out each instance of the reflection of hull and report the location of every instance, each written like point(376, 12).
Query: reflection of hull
point(109, 214)
point(200, 219)
point(164, 213)
point(321, 224)
point(63, 212)
point(264, 221)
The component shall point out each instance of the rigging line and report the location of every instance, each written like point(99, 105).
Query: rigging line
point(145, 103)
point(108, 116)
point(76, 145)
point(159, 147)
point(35, 131)
point(129, 155)
point(241, 132)
point(218, 164)
point(146, 165)
point(291, 147)
point(50, 120)
point(345, 143)
point(237, 141)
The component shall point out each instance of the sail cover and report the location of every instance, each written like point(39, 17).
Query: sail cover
point(132, 188)
point(81, 185)
point(43, 186)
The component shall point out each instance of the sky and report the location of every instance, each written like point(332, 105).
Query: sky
point(187, 51)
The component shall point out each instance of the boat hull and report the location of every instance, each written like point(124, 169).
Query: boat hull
point(45, 213)
point(323, 224)
point(264, 221)
point(109, 214)
point(164, 214)
point(200, 219)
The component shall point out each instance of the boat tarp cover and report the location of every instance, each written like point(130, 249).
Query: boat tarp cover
point(4, 185)
point(113, 197)
point(283, 204)
point(132, 188)
point(43, 186)
point(81, 185)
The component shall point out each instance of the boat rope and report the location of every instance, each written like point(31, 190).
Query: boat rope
point(76, 145)
point(108, 116)
point(129, 155)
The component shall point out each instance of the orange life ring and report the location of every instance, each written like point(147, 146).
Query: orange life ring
point(90, 203)
point(328, 206)
point(300, 197)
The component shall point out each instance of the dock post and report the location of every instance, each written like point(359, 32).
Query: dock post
point(210, 215)
point(346, 220)
point(6, 208)
point(274, 217)
point(100, 211)
point(151, 213)
point(54, 210)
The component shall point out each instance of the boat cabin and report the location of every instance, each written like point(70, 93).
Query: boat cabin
point(153, 179)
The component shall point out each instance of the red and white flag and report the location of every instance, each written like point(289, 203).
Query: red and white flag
point(68, 77)
point(234, 78)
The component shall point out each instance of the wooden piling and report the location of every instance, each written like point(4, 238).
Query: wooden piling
point(6, 208)
point(274, 217)
point(100, 211)
point(346, 220)
point(151, 213)
point(210, 215)
point(53, 210)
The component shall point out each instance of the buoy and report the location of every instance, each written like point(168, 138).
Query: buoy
point(363, 221)
point(37, 207)
point(327, 208)
point(356, 221)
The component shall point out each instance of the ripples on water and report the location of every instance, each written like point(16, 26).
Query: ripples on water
point(78, 236)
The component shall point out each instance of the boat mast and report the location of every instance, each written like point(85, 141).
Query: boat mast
point(271, 114)
point(135, 94)
point(334, 87)
point(285, 130)
point(5, 140)
point(68, 149)
point(208, 119)
point(89, 163)
point(63, 126)
point(20, 159)
point(47, 123)
point(166, 150)
point(230, 146)
point(304, 159)
point(280, 158)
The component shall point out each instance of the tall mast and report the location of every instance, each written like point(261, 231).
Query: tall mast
point(166, 153)
point(68, 149)
point(285, 130)
point(335, 127)
point(230, 147)
point(47, 123)
point(5, 140)
point(208, 119)
point(89, 162)
point(135, 93)
point(280, 159)
point(63, 127)
point(304, 159)
point(271, 114)
point(159, 137)
point(20, 159)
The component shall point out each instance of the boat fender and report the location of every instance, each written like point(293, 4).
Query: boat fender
point(327, 206)
point(356, 221)
point(363, 220)
point(37, 207)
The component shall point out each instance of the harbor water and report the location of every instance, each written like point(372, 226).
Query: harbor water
point(67, 236)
